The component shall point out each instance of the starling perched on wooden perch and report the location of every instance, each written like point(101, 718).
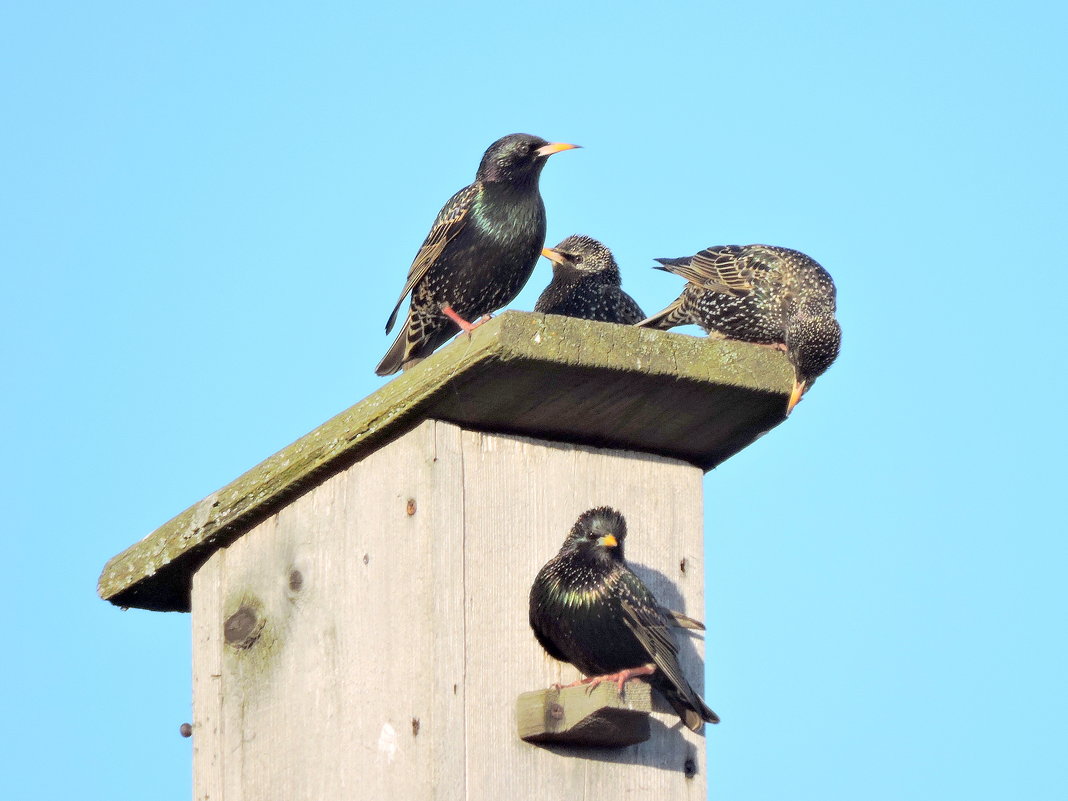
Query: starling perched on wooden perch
point(586, 284)
point(758, 293)
point(479, 253)
point(588, 608)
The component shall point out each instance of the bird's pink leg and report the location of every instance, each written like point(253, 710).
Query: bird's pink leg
point(465, 326)
point(447, 310)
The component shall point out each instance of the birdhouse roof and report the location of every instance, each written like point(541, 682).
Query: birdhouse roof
point(554, 378)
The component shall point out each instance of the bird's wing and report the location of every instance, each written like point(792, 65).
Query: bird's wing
point(726, 269)
point(449, 222)
point(649, 625)
point(682, 621)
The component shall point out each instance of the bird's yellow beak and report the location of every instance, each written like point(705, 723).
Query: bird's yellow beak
point(608, 541)
point(795, 396)
point(554, 147)
point(552, 255)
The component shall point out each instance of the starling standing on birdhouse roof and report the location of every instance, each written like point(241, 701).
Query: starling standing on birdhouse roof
point(479, 253)
point(758, 293)
point(586, 284)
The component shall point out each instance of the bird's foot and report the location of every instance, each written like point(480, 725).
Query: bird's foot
point(780, 347)
point(620, 678)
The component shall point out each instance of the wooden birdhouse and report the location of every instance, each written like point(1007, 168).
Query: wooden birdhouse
point(359, 599)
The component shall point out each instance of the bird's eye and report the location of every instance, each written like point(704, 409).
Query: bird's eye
point(593, 536)
point(574, 258)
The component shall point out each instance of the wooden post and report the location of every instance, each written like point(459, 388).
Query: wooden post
point(359, 600)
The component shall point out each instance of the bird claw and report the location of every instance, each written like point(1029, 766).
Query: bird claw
point(620, 678)
point(777, 347)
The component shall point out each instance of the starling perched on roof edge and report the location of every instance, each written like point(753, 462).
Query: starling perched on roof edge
point(763, 294)
point(588, 608)
point(586, 284)
point(480, 251)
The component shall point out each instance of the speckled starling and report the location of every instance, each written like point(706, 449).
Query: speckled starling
point(758, 293)
point(586, 284)
point(588, 608)
point(479, 253)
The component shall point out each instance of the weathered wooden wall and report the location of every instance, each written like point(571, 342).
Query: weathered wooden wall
point(370, 639)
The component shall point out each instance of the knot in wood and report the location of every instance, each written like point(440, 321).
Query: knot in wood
point(409, 508)
point(556, 712)
point(243, 627)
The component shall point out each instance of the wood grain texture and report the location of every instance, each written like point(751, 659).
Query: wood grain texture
point(354, 687)
point(208, 736)
point(553, 377)
point(346, 649)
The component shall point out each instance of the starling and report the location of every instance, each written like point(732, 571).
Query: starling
point(479, 253)
point(588, 608)
point(586, 284)
point(758, 293)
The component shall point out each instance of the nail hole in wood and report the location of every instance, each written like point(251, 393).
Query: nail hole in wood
point(415, 727)
point(682, 565)
point(296, 580)
point(366, 558)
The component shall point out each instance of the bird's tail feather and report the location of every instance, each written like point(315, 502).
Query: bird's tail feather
point(692, 710)
point(417, 339)
point(668, 318)
point(395, 356)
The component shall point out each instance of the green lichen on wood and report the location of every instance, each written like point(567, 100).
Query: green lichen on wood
point(544, 376)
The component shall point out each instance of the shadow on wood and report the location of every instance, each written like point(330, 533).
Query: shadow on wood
point(601, 718)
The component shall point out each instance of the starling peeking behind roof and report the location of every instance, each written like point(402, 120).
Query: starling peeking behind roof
point(586, 284)
point(479, 253)
point(758, 293)
point(588, 608)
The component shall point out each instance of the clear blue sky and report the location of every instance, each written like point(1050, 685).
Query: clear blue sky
point(208, 210)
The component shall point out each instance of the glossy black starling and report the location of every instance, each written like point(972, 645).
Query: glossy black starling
point(479, 253)
point(758, 293)
point(588, 608)
point(586, 284)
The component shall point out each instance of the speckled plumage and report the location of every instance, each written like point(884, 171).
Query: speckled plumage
point(587, 607)
point(586, 284)
point(480, 251)
point(758, 293)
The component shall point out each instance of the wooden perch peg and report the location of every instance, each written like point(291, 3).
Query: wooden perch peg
point(601, 718)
